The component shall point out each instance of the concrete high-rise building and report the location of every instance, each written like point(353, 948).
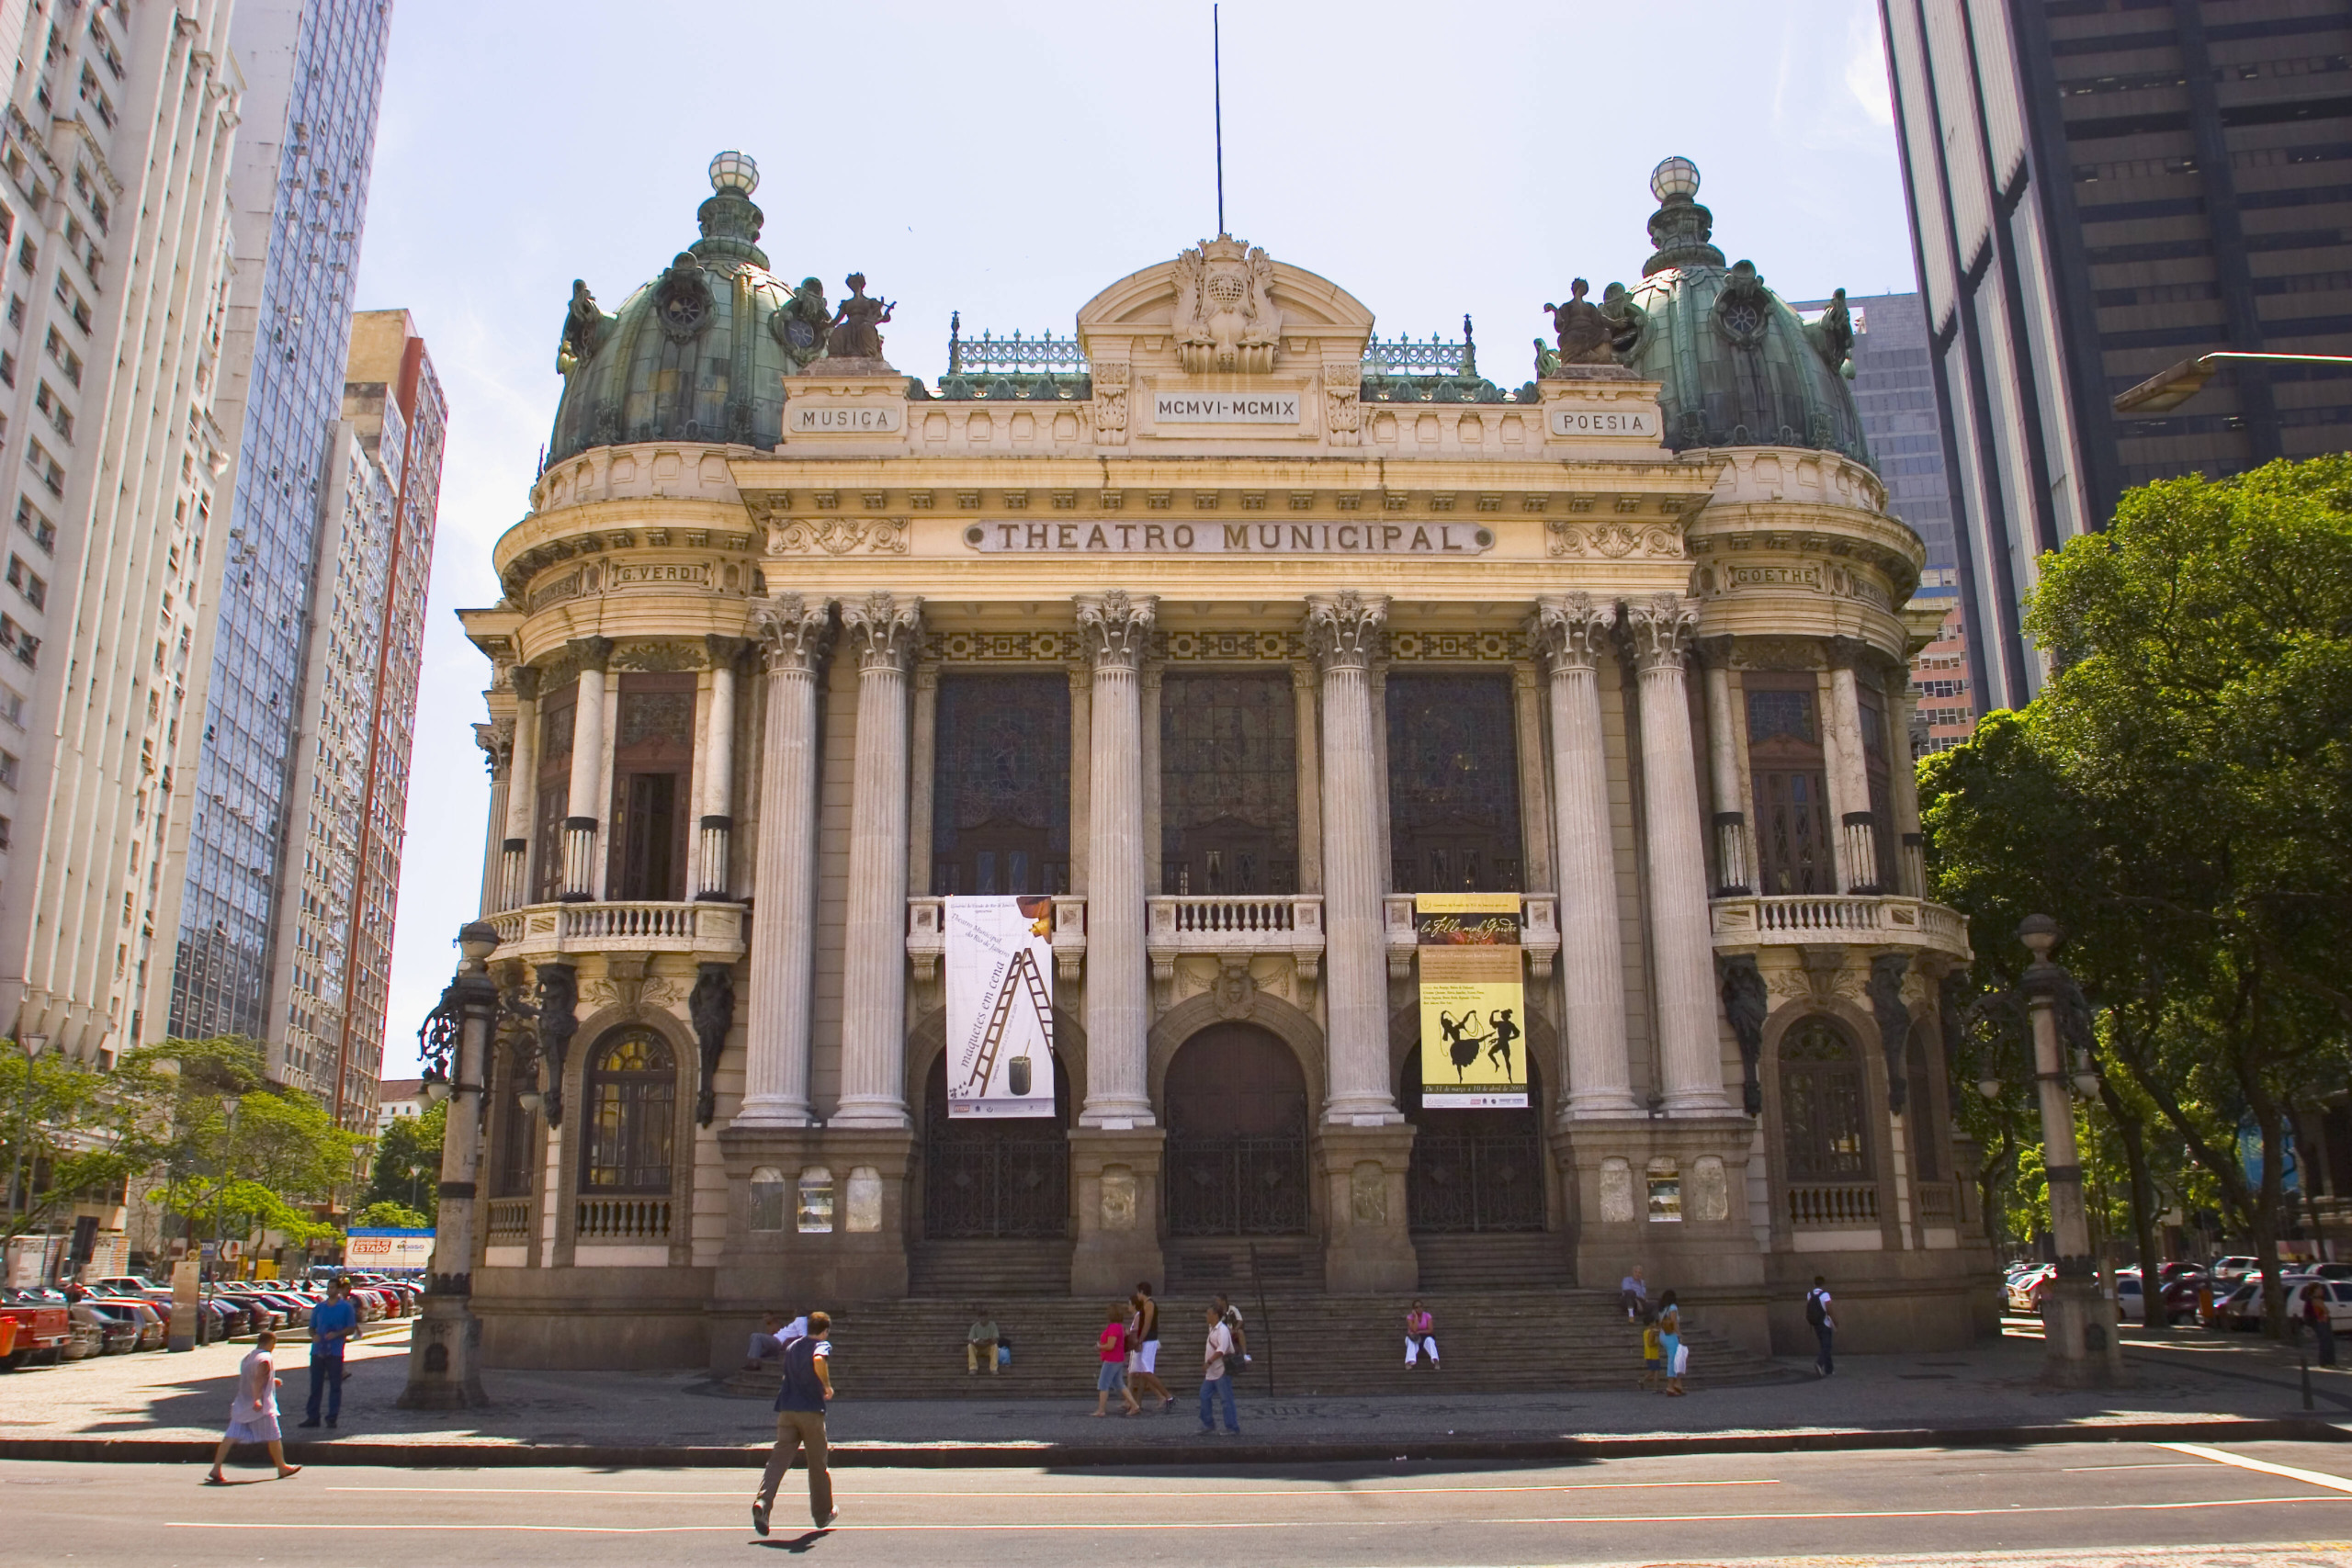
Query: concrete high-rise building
point(300, 193)
point(2099, 188)
point(115, 156)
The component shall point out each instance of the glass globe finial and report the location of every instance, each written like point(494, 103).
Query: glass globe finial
point(1675, 177)
point(735, 173)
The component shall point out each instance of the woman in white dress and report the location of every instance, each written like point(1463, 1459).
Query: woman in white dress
point(253, 1411)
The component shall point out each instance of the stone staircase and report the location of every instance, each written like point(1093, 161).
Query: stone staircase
point(988, 1272)
point(1514, 1341)
point(1506, 1261)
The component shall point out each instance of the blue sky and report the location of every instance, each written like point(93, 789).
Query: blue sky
point(1009, 161)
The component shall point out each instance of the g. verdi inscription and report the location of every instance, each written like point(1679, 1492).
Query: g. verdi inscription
point(1230, 539)
point(1225, 408)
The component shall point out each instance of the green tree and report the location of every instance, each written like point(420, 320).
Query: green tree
point(391, 1217)
point(408, 1163)
point(244, 1154)
point(69, 1127)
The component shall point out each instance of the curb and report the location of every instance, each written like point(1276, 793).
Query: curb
point(1194, 1453)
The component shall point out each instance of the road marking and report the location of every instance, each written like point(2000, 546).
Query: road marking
point(1289, 1492)
point(2222, 1455)
point(2161, 1464)
point(1134, 1525)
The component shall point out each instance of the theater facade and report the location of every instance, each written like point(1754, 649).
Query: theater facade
point(1227, 633)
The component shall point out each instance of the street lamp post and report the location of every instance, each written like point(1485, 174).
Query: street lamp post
point(2176, 384)
point(445, 1347)
point(2077, 1323)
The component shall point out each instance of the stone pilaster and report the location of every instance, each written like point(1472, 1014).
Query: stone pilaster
point(1572, 630)
point(1118, 1175)
point(496, 739)
point(1682, 945)
point(1347, 632)
point(1732, 857)
point(1367, 1243)
point(522, 793)
point(1857, 836)
point(1116, 629)
point(582, 821)
point(884, 632)
point(795, 635)
point(714, 845)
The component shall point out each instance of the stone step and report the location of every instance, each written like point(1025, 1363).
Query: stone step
point(1506, 1261)
point(968, 1271)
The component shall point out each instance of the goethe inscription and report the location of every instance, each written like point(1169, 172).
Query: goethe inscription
point(1231, 539)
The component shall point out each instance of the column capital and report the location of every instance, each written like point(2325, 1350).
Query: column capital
point(1347, 631)
point(795, 633)
point(1302, 675)
point(1571, 630)
point(591, 652)
point(496, 739)
point(884, 629)
point(525, 682)
point(723, 651)
point(1115, 626)
point(1662, 628)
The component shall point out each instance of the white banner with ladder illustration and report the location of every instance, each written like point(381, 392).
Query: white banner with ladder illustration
point(1000, 963)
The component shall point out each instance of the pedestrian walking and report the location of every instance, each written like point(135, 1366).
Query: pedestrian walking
point(1653, 1353)
point(1111, 1351)
point(1670, 1343)
point(1420, 1336)
point(1821, 1311)
point(801, 1423)
point(979, 1343)
point(253, 1410)
point(1143, 1360)
point(2315, 1313)
point(333, 1322)
point(1231, 1315)
point(1632, 1295)
point(1217, 1375)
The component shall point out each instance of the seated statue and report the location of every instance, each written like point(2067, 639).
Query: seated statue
point(1585, 333)
point(854, 333)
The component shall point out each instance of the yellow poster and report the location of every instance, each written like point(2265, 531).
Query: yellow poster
point(1473, 1036)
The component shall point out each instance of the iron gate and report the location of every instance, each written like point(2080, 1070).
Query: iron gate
point(1237, 1185)
point(986, 1182)
point(1476, 1181)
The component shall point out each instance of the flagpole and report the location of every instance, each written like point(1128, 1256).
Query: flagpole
point(1216, 76)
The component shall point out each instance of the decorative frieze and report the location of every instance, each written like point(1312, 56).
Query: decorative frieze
point(1613, 540)
point(1457, 647)
point(837, 536)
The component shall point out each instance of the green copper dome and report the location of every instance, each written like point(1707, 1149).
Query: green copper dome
point(1739, 367)
point(700, 352)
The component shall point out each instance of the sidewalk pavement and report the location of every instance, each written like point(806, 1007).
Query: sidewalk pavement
point(157, 1406)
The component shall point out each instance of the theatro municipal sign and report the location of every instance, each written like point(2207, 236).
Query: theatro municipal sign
point(1230, 539)
point(1225, 408)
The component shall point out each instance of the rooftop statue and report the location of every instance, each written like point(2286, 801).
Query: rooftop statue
point(1224, 318)
point(1833, 336)
point(584, 328)
point(1627, 320)
point(1586, 335)
point(801, 322)
point(854, 333)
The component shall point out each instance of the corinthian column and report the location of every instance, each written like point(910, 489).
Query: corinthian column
point(883, 634)
point(522, 793)
point(1723, 763)
point(581, 822)
point(795, 634)
point(1573, 631)
point(1858, 835)
point(1691, 1056)
point(1346, 630)
point(1117, 631)
point(717, 771)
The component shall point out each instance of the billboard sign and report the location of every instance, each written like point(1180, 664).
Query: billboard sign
point(387, 1251)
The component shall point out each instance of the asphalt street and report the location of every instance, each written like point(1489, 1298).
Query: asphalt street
point(2080, 1501)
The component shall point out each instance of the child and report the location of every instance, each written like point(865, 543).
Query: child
point(1669, 1339)
point(1653, 1352)
point(1111, 1351)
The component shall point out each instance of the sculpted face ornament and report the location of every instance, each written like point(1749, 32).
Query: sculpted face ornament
point(1225, 319)
point(682, 299)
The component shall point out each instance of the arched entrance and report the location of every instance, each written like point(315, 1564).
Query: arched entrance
point(1236, 1136)
point(1474, 1171)
point(984, 1178)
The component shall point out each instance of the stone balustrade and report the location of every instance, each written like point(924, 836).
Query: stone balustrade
point(1239, 925)
point(927, 935)
point(1831, 1205)
point(623, 1219)
point(1539, 933)
point(710, 931)
point(1858, 918)
point(510, 1221)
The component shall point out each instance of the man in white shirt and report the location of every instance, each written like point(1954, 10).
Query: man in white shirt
point(773, 1336)
point(1216, 1381)
point(1819, 1311)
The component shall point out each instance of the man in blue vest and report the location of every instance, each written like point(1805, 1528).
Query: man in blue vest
point(800, 1422)
point(333, 1322)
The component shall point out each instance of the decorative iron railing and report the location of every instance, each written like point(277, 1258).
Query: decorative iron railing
point(1403, 357)
point(1833, 1206)
point(623, 1219)
point(1477, 1182)
point(990, 354)
point(984, 1182)
point(1237, 1185)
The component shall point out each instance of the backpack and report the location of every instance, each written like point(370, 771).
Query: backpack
point(1815, 1312)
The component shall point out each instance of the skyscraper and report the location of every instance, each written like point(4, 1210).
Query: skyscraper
point(299, 194)
point(2099, 188)
point(115, 157)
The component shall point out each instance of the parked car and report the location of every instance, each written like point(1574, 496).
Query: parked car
point(42, 1326)
point(84, 1342)
point(148, 1328)
point(2029, 1289)
point(2242, 1309)
point(128, 1285)
point(2178, 1296)
point(2233, 1268)
point(116, 1332)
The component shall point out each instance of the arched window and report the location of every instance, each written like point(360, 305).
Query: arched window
point(632, 1120)
point(1821, 1103)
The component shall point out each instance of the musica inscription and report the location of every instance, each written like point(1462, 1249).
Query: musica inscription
point(879, 419)
point(1230, 539)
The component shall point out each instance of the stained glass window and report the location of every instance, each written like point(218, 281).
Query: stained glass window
point(1821, 1103)
point(1228, 785)
point(1793, 829)
point(1454, 784)
point(632, 1123)
point(999, 816)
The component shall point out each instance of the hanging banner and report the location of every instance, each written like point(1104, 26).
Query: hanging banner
point(1000, 962)
point(1473, 1054)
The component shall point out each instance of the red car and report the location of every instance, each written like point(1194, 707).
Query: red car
point(43, 1329)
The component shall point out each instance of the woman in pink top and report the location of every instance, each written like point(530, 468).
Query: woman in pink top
point(253, 1413)
point(1420, 1336)
point(1110, 1349)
